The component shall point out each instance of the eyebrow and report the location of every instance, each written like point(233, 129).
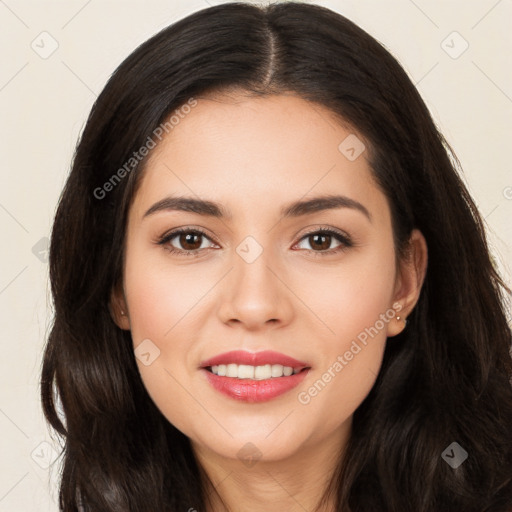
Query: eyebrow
point(295, 209)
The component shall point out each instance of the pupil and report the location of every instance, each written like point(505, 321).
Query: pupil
point(324, 237)
point(188, 237)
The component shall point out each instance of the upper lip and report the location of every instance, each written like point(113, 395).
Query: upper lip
point(254, 359)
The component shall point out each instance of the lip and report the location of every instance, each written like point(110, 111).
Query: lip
point(249, 390)
point(252, 390)
point(254, 359)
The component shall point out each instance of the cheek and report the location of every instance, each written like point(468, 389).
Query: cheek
point(162, 301)
point(161, 298)
point(352, 295)
point(355, 306)
point(162, 306)
point(335, 391)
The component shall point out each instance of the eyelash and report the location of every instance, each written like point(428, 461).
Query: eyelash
point(345, 241)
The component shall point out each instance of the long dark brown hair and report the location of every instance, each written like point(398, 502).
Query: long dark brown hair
point(446, 378)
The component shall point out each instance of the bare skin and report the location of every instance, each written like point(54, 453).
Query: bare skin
point(254, 156)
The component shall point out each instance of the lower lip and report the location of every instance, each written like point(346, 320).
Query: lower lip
point(249, 390)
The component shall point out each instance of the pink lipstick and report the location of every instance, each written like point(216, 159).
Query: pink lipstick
point(254, 376)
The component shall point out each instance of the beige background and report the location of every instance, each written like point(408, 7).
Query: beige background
point(44, 101)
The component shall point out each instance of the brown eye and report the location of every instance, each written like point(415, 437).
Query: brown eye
point(188, 243)
point(320, 242)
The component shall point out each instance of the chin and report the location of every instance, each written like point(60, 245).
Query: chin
point(256, 445)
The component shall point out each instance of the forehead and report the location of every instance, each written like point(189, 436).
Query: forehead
point(258, 153)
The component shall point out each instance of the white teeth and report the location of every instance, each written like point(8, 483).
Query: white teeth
point(245, 371)
point(232, 370)
point(277, 370)
point(263, 372)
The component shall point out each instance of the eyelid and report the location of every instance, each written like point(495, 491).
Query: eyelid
point(343, 237)
point(326, 229)
point(173, 233)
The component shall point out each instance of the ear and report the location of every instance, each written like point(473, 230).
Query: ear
point(409, 281)
point(118, 308)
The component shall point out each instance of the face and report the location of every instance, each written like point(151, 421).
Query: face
point(314, 287)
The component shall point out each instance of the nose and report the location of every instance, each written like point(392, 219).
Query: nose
point(256, 293)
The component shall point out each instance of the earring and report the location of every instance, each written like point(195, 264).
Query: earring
point(123, 313)
point(405, 321)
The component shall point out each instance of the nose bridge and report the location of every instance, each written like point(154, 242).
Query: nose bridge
point(252, 262)
point(255, 294)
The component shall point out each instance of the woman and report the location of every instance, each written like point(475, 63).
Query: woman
point(272, 289)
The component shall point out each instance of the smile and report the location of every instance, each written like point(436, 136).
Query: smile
point(233, 375)
point(245, 371)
